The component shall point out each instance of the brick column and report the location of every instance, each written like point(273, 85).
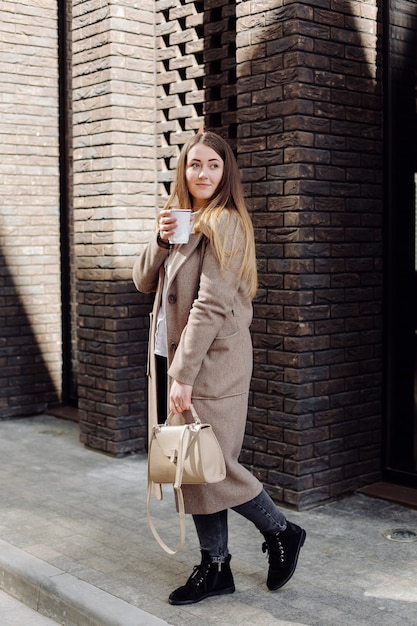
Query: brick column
point(309, 142)
point(114, 210)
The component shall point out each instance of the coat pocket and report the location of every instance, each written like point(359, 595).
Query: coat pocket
point(227, 367)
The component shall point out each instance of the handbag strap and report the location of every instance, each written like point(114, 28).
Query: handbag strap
point(185, 440)
point(181, 514)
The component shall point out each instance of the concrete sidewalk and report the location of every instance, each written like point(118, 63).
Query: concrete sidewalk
point(74, 544)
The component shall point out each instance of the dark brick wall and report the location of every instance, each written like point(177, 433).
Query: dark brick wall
point(26, 386)
point(297, 89)
point(112, 333)
point(310, 148)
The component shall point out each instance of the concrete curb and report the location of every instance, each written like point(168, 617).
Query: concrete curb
point(63, 597)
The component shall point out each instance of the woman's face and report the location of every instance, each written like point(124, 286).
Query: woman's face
point(203, 173)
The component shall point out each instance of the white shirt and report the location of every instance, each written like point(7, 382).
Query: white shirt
point(161, 344)
point(161, 347)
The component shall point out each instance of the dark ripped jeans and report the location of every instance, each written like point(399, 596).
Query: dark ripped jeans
point(212, 529)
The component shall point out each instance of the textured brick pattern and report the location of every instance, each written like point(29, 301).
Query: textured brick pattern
point(310, 129)
point(112, 350)
point(180, 80)
point(30, 309)
point(296, 88)
point(220, 67)
point(114, 210)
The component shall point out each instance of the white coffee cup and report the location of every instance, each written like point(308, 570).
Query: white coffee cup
point(182, 230)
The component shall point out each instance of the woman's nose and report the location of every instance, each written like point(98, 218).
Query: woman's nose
point(202, 173)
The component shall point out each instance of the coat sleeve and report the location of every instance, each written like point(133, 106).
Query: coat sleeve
point(147, 265)
point(211, 315)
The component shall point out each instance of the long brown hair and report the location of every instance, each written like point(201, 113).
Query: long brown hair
point(228, 199)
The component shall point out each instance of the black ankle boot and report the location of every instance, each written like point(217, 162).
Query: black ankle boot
point(208, 579)
point(283, 549)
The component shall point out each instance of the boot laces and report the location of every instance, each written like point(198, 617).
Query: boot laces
point(275, 550)
point(199, 575)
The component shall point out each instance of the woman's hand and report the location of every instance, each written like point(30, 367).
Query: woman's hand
point(167, 225)
point(180, 397)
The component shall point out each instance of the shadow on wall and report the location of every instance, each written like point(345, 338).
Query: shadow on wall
point(220, 96)
point(26, 387)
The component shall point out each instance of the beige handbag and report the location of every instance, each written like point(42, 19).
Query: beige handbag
point(182, 454)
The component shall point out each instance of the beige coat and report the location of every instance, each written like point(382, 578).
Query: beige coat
point(208, 317)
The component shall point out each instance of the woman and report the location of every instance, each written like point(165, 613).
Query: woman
point(200, 342)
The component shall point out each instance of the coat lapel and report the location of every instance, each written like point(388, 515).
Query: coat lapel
point(183, 252)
